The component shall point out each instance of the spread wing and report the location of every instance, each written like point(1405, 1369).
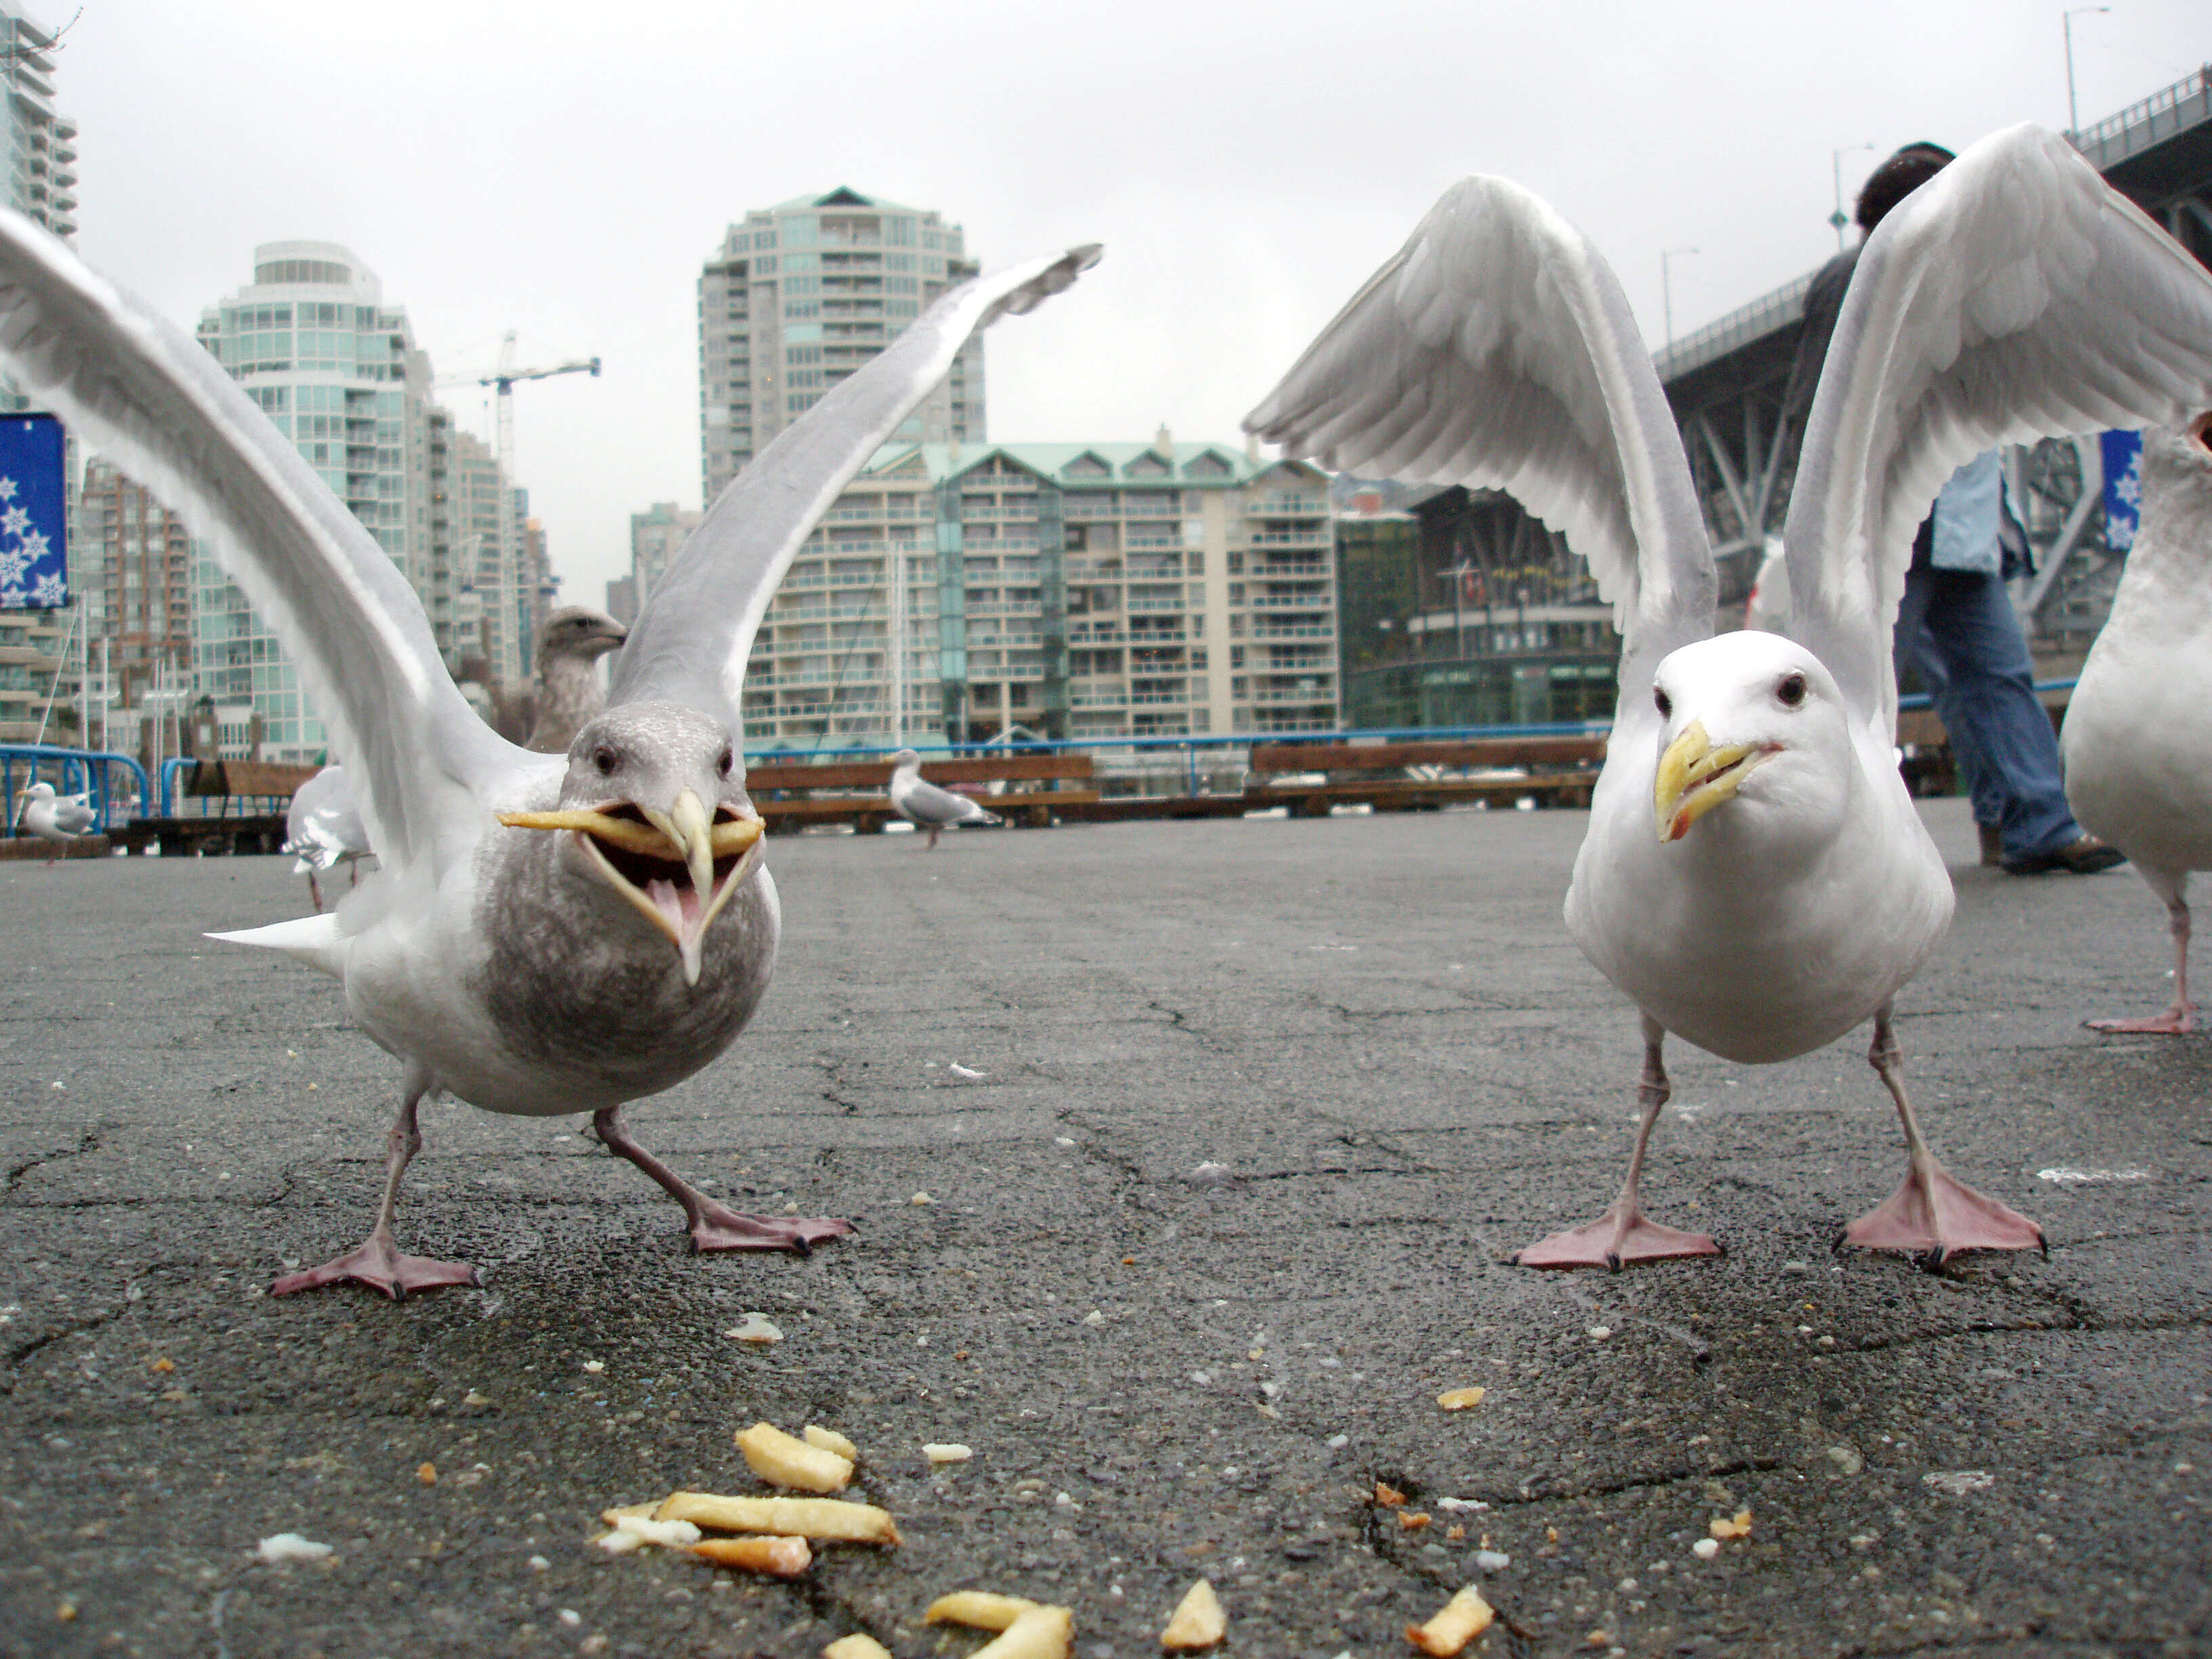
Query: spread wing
point(141, 391)
point(690, 644)
point(2014, 296)
point(1497, 350)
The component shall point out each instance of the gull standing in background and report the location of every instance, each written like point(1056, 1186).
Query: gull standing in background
point(546, 934)
point(2014, 296)
point(2138, 732)
point(927, 806)
point(57, 820)
point(569, 647)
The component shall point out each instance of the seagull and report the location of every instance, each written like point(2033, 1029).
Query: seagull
point(55, 819)
point(546, 933)
point(926, 805)
point(2138, 734)
point(569, 647)
point(1754, 877)
point(322, 828)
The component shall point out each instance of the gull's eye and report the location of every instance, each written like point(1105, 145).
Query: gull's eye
point(724, 761)
point(1663, 702)
point(1791, 690)
point(606, 760)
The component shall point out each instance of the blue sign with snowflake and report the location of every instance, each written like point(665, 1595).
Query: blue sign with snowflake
point(2123, 488)
point(34, 514)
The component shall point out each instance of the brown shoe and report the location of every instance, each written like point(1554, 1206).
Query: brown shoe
point(2084, 857)
point(1992, 844)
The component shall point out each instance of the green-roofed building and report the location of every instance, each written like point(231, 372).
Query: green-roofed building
point(1088, 591)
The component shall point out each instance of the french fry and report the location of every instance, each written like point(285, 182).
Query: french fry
point(784, 1558)
point(1041, 1632)
point(781, 1461)
point(613, 1517)
point(730, 836)
point(822, 1518)
point(977, 1609)
point(831, 1440)
point(1459, 1400)
point(1738, 1528)
point(1198, 1621)
point(1465, 1617)
point(856, 1646)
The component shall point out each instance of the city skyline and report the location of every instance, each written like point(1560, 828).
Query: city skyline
point(1243, 178)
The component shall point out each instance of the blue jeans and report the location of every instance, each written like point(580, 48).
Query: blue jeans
point(1958, 629)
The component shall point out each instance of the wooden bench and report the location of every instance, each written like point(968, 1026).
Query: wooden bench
point(1557, 771)
point(178, 838)
point(792, 795)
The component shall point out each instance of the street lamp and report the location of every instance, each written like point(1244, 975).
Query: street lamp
point(2073, 117)
point(1666, 285)
point(1839, 218)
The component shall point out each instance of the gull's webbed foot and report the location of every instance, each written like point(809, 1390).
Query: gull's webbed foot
point(379, 1264)
point(1620, 1235)
point(1937, 1217)
point(2174, 1021)
point(717, 1227)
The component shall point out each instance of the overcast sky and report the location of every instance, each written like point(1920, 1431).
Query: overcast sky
point(564, 170)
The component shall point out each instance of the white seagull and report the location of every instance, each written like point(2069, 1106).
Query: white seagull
point(927, 806)
point(55, 819)
point(2014, 296)
point(569, 647)
point(2138, 732)
point(525, 972)
point(322, 830)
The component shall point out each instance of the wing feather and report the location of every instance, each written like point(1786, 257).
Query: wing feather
point(1496, 350)
point(142, 391)
point(2014, 296)
point(690, 644)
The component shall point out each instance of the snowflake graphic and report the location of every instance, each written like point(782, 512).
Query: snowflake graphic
point(2128, 487)
point(50, 590)
point(30, 573)
point(14, 521)
point(7, 489)
point(15, 565)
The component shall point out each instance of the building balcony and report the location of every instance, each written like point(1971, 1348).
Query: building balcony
point(1313, 631)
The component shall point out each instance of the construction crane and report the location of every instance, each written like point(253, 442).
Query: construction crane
point(503, 380)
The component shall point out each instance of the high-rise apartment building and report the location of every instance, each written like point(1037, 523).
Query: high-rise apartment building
point(1071, 589)
point(656, 536)
point(802, 294)
point(41, 144)
point(336, 370)
point(133, 576)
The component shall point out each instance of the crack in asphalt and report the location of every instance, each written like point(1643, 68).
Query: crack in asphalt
point(87, 1142)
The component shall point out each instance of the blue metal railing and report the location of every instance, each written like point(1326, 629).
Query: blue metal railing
point(83, 771)
point(1920, 699)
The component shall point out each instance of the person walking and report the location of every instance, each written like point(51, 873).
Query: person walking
point(1956, 626)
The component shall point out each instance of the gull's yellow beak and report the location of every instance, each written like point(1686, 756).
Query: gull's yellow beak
point(1694, 777)
point(665, 866)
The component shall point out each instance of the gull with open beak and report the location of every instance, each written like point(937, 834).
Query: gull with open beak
point(1756, 876)
point(546, 933)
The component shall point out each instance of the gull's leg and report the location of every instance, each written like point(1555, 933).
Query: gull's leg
point(935, 830)
point(2181, 1015)
point(315, 889)
point(1933, 1214)
point(1622, 1233)
point(376, 1262)
point(716, 1226)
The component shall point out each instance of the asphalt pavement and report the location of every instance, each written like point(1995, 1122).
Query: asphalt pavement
point(1262, 1108)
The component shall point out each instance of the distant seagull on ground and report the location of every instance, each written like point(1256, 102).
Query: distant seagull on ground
point(926, 805)
point(322, 828)
point(544, 935)
point(57, 820)
point(2138, 732)
point(569, 647)
point(2011, 297)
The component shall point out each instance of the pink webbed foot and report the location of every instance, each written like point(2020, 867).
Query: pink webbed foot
point(1615, 1237)
point(1938, 1218)
point(717, 1227)
point(379, 1264)
point(2174, 1021)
